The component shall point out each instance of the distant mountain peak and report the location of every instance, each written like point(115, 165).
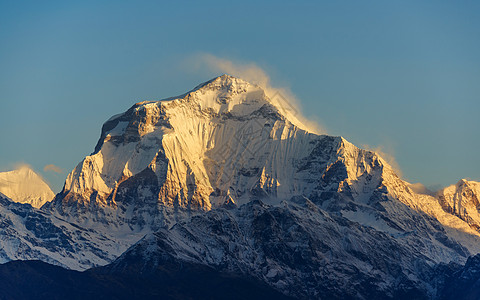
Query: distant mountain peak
point(23, 185)
point(463, 200)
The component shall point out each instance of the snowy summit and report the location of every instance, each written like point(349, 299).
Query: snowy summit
point(25, 186)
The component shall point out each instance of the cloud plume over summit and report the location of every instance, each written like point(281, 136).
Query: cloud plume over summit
point(281, 97)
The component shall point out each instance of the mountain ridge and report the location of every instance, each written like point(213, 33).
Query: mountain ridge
point(222, 177)
point(221, 144)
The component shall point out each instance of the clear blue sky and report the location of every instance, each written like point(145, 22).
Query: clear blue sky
point(401, 75)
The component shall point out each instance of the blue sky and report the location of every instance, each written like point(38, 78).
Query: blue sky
point(403, 76)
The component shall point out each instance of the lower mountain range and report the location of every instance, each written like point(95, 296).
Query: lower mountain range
point(224, 193)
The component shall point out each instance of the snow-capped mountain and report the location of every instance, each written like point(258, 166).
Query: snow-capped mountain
point(225, 143)
point(462, 200)
point(25, 186)
point(228, 178)
point(28, 233)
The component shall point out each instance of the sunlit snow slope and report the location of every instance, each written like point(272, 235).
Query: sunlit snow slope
point(25, 186)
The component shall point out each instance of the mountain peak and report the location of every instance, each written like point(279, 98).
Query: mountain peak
point(225, 141)
point(462, 199)
point(465, 181)
point(223, 95)
point(223, 80)
point(234, 92)
point(23, 185)
point(196, 150)
point(25, 170)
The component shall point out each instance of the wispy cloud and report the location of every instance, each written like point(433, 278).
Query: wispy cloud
point(421, 189)
point(281, 97)
point(21, 165)
point(52, 168)
point(387, 155)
